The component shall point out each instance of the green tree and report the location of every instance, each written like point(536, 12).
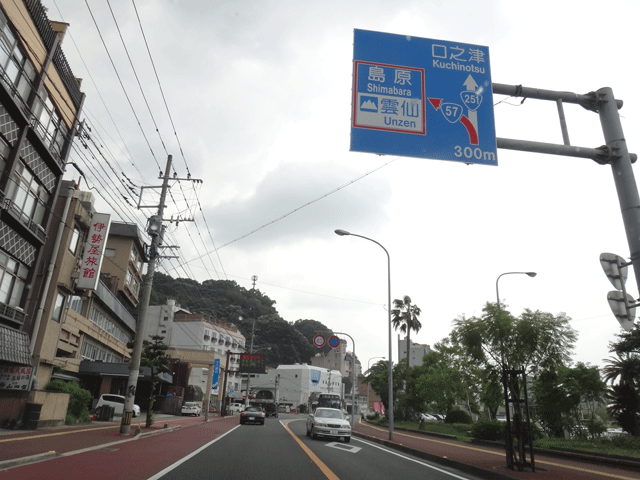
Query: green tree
point(564, 394)
point(437, 383)
point(624, 397)
point(535, 340)
point(491, 392)
point(154, 356)
point(378, 377)
point(405, 317)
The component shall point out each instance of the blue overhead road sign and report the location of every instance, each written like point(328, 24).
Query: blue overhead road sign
point(424, 98)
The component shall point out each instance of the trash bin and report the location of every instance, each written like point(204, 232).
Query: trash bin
point(32, 416)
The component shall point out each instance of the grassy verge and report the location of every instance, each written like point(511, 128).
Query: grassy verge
point(623, 446)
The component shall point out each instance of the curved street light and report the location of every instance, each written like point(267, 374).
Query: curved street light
point(531, 274)
point(344, 233)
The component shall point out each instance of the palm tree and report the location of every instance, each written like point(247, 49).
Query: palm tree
point(405, 317)
point(624, 398)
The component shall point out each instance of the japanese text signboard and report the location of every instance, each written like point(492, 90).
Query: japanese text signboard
point(215, 382)
point(423, 98)
point(93, 251)
point(252, 363)
point(15, 378)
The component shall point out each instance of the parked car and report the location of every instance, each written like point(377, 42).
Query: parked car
point(427, 417)
point(328, 422)
point(252, 415)
point(117, 402)
point(236, 407)
point(191, 408)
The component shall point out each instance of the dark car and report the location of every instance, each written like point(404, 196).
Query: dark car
point(271, 410)
point(252, 415)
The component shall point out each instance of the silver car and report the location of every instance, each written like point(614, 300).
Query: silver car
point(328, 422)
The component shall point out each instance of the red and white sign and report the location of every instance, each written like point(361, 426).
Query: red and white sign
point(319, 341)
point(93, 250)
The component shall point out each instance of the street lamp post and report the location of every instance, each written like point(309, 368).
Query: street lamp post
point(343, 233)
point(368, 385)
point(531, 274)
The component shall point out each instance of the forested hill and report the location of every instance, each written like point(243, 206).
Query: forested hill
point(250, 310)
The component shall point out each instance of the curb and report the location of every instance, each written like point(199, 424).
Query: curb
point(16, 462)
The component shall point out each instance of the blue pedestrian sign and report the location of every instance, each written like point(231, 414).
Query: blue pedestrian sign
point(417, 97)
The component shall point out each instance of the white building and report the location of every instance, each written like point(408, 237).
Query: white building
point(198, 339)
point(416, 352)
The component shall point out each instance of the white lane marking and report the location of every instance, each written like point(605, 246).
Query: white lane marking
point(343, 446)
point(411, 459)
point(192, 454)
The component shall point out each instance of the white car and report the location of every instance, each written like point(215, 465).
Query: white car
point(191, 408)
point(117, 402)
point(236, 407)
point(427, 417)
point(328, 422)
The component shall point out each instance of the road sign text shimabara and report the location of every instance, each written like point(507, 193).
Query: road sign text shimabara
point(417, 97)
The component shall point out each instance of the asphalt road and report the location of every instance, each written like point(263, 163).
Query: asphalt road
point(281, 450)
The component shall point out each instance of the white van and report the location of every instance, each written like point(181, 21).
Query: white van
point(117, 402)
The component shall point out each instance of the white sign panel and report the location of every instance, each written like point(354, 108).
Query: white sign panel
point(15, 378)
point(93, 251)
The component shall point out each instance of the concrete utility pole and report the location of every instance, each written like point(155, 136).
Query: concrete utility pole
point(354, 378)
point(155, 229)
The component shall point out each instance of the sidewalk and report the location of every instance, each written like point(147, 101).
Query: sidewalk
point(25, 446)
point(489, 461)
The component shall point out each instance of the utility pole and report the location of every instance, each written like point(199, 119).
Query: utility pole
point(156, 230)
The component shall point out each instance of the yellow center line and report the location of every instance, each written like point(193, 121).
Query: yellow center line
point(538, 461)
point(323, 468)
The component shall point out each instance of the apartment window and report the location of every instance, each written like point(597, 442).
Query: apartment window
point(134, 255)
point(109, 252)
point(56, 315)
point(28, 195)
point(5, 150)
point(50, 127)
point(76, 303)
point(18, 69)
point(73, 241)
point(12, 279)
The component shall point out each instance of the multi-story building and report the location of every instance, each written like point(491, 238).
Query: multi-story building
point(84, 327)
point(416, 351)
point(199, 340)
point(40, 101)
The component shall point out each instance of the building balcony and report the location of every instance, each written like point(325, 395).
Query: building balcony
point(23, 218)
point(14, 314)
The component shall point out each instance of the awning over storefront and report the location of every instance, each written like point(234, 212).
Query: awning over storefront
point(14, 346)
point(90, 368)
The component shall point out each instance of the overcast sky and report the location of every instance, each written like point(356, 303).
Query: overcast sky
point(260, 96)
